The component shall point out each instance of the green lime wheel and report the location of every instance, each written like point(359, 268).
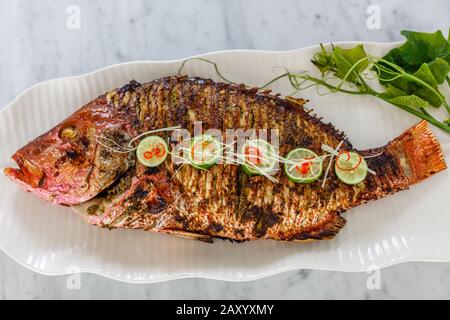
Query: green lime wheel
point(152, 151)
point(350, 167)
point(205, 151)
point(258, 157)
point(303, 166)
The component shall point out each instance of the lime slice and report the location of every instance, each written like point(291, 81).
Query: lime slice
point(205, 152)
point(152, 151)
point(304, 166)
point(258, 157)
point(350, 167)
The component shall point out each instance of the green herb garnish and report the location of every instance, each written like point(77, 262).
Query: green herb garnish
point(411, 73)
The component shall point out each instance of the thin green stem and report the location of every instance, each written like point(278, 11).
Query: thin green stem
point(426, 112)
point(369, 90)
point(423, 83)
point(216, 68)
point(327, 85)
point(275, 80)
point(353, 67)
point(446, 106)
point(425, 116)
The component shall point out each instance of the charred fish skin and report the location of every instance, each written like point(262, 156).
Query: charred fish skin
point(223, 202)
point(217, 204)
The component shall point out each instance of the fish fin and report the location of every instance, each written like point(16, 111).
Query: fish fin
point(189, 235)
point(422, 152)
point(297, 101)
point(326, 232)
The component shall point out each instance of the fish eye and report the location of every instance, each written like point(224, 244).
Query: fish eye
point(69, 132)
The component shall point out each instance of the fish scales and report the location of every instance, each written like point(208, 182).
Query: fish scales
point(222, 201)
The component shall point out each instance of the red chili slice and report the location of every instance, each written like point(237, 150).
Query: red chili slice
point(304, 168)
point(148, 155)
point(159, 150)
point(348, 159)
point(253, 155)
point(194, 154)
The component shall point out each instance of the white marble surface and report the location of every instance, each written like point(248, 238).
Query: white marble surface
point(37, 45)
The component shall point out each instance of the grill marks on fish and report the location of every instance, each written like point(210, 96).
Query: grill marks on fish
point(289, 204)
point(389, 178)
point(222, 195)
point(207, 191)
point(245, 207)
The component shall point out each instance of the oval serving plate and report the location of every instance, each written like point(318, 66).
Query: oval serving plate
point(408, 226)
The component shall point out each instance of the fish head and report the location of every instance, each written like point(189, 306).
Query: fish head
point(68, 165)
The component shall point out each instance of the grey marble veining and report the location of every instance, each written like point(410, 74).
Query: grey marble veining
point(37, 45)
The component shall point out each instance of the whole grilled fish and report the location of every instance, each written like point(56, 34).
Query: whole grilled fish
point(68, 166)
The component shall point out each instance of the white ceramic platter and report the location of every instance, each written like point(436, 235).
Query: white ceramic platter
point(410, 226)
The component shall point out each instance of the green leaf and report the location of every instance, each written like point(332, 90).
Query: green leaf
point(409, 101)
point(447, 58)
point(391, 92)
point(420, 47)
point(399, 82)
point(396, 96)
point(424, 55)
point(416, 84)
point(424, 74)
point(440, 69)
point(346, 59)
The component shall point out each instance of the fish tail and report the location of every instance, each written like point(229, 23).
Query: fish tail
point(421, 153)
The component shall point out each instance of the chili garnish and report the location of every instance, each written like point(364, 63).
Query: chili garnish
point(159, 150)
point(348, 159)
point(305, 166)
point(148, 155)
point(253, 155)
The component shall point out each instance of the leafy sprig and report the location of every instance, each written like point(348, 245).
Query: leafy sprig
point(411, 74)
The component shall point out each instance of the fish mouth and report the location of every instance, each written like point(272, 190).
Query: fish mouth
point(27, 173)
